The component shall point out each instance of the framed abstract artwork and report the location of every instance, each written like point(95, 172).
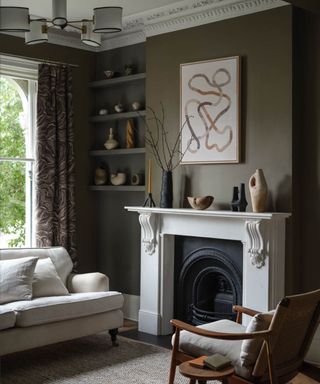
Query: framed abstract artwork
point(210, 111)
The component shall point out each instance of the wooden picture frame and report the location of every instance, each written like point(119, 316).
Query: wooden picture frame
point(210, 111)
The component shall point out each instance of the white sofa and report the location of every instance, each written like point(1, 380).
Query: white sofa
point(88, 306)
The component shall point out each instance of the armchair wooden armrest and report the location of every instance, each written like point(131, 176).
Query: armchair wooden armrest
point(240, 310)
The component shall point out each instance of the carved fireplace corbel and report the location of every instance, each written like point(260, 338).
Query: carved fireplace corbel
point(255, 246)
point(148, 222)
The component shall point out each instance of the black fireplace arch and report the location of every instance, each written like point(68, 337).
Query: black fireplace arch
point(209, 284)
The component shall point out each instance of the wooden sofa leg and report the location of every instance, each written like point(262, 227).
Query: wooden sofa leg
point(113, 333)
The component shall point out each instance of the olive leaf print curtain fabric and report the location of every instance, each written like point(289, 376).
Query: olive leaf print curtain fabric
point(55, 179)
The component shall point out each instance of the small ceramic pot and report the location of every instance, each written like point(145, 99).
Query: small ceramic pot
point(100, 175)
point(109, 74)
point(129, 69)
point(118, 108)
point(118, 178)
point(136, 105)
point(103, 112)
point(136, 179)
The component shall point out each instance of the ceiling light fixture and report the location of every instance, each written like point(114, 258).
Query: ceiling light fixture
point(18, 19)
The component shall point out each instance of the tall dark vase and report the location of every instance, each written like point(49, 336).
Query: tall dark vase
point(166, 190)
point(242, 198)
point(235, 199)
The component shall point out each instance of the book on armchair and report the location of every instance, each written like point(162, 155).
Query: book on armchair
point(217, 362)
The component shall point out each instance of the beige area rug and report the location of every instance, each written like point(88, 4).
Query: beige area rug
point(90, 360)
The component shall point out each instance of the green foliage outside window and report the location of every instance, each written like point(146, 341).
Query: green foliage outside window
point(12, 174)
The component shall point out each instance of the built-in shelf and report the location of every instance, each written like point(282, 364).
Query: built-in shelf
point(119, 188)
point(117, 116)
point(116, 80)
point(117, 152)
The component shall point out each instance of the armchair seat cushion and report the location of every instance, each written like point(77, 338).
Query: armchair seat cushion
point(51, 309)
point(195, 345)
point(7, 318)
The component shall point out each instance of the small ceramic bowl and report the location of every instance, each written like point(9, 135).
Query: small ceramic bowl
point(109, 74)
point(103, 112)
point(119, 108)
point(200, 202)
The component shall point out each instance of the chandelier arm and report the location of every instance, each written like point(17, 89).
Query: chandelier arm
point(79, 21)
point(74, 26)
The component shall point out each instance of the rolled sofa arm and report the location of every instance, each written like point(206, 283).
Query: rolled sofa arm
point(88, 282)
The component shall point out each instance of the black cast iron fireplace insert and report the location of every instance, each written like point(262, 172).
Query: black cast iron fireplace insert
point(208, 279)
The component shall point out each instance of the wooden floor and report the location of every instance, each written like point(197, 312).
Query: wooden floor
point(309, 375)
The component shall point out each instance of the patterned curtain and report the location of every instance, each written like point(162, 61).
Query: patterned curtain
point(55, 180)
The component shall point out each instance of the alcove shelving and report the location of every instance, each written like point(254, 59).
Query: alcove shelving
point(108, 93)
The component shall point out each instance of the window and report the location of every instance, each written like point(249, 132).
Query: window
point(18, 88)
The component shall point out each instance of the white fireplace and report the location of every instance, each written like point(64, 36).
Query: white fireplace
point(263, 239)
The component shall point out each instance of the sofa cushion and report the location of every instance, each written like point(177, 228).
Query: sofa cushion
point(250, 348)
point(44, 310)
point(58, 255)
point(16, 279)
point(7, 318)
point(46, 281)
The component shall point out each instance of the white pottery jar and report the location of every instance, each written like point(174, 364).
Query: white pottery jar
point(258, 191)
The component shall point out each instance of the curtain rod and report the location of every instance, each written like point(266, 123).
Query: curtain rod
point(38, 61)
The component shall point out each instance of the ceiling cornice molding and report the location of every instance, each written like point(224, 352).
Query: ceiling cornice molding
point(177, 16)
point(205, 12)
point(182, 15)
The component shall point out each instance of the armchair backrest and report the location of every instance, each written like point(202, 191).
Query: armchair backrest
point(292, 328)
point(58, 255)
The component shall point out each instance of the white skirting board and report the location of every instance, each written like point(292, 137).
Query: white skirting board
point(313, 356)
point(131, 307)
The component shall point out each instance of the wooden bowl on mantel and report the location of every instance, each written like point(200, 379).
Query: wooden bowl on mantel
point(200, 202)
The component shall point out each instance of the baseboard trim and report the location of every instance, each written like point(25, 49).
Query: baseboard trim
point(131, 307)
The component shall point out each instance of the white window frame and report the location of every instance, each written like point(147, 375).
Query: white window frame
point(16, 68)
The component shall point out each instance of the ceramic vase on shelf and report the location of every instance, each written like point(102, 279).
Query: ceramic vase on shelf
point(166, 190)
point(111, 143)
point(100, 175)
point(129, 134)
point(258, 191)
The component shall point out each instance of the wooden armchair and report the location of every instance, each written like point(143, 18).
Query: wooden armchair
point(271, 349)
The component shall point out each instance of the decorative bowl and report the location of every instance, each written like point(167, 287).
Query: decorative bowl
point(109, 74)
point(200, 202)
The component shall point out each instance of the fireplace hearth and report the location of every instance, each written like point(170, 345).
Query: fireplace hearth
point(208, 279)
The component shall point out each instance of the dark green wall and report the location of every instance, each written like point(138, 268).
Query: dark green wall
point(82, 106)
point(264, 42)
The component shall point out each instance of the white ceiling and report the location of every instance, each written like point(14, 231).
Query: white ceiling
point(81, 9)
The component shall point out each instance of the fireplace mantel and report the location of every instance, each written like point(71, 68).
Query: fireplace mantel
point(263, 239)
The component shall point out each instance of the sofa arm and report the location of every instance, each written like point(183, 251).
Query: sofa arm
point(88, 282)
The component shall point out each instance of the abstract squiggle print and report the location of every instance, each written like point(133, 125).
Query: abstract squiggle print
point(215, 97)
